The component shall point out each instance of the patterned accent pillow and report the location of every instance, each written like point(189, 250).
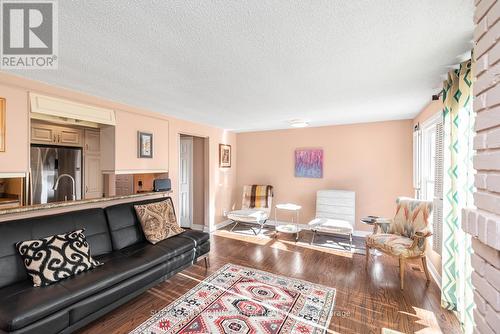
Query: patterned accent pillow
point(158, 220)
point(54, 258)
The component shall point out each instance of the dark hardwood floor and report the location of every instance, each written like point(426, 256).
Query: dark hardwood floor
point(366, 301)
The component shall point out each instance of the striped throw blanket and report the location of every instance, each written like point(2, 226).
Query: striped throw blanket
point(257, 196)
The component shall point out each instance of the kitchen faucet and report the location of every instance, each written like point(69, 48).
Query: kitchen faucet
point(73, 196)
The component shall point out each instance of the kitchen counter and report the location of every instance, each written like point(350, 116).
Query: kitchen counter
point(39, 207)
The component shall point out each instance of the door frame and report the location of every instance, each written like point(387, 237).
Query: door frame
point(190, 139)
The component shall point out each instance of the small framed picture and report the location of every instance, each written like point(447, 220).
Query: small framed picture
point(145, 145)
point(2, 124)
point(224, 156)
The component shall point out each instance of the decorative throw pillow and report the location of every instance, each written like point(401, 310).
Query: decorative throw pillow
point(158, 220)
point(54, 258)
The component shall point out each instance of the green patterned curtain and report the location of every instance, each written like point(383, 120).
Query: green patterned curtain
point(458, 180)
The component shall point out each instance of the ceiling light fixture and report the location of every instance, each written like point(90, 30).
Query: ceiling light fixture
point(297, 123)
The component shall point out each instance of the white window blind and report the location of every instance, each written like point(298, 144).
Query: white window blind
point(417, 160)
point(437, 221)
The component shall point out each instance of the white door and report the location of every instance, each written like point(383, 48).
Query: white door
point(185, 181)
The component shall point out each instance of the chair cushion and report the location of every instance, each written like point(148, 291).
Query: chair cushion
point(394, 244)
point(329, 225)
point(411, 216)
point(248, 215)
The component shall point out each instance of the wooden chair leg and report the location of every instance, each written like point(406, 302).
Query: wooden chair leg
point(367, 255)
point(401, 272)
point(207, 262)
point(426, 270)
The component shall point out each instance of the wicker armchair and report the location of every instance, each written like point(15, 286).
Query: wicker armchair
point(404, 236)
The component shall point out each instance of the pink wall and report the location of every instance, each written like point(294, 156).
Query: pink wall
point(15, 157)
point(372, 159)
point(221, 182)
point(126, 141)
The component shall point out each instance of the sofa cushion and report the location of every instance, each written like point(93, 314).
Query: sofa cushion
point(51, 259)
point(22, 303)
point(12, 269)
point(197, 236)
point(98, 301)
point(124, 225)
point(158, 220)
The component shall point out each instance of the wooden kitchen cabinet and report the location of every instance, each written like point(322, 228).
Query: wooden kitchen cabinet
point(55, 135)
point(43, 134)
point(70, 137)
point(92, 142)
point(93, 176)
point(92, 165)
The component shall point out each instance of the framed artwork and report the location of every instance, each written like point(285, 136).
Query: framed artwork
point(224, 156)
point(309, 162)
point(2, 124)
point(145, 144)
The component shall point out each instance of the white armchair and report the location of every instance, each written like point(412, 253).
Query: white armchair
point(335, 212)
point(255, 207)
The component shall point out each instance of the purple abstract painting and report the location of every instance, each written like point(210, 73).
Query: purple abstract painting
point(309, 163)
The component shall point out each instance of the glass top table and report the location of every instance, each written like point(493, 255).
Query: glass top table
point(288, 227)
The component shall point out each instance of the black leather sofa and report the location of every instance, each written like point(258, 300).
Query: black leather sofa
point(131, 266)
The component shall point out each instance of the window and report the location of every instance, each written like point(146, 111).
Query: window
point(428, 171)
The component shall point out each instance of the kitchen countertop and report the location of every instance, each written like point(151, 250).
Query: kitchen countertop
point(72, 203)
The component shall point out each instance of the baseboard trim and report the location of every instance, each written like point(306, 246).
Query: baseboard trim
point(434, 273)
point(198, 227)
point(220, 225)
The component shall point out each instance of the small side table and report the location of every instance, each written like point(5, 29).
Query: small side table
point(292, 227)
point(370, 220)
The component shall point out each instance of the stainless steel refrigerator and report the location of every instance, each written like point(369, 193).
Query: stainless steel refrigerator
point(47, 164)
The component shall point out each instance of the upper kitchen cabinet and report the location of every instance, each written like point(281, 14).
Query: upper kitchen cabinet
point(92, 142)
point(50, 134)
point(127, 160)
point(14, 159)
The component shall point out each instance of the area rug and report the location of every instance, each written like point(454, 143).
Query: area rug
point(238, 299)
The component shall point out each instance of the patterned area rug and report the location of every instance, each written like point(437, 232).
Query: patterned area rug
point(238, 299)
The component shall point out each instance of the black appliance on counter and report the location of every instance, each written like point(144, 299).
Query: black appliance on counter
point(162, 185)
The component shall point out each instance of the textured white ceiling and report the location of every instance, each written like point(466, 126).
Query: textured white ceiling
point(255, 64)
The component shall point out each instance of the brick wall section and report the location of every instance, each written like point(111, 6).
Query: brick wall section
point(483, 223)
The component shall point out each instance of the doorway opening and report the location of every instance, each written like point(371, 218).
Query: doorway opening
point(193, 181)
